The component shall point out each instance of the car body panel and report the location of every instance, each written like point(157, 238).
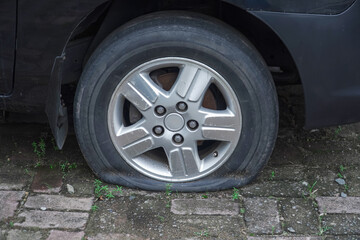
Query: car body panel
point(7, 45)
point(325, 48)
point(295, 6)
point(326, 51)
point(43, 30)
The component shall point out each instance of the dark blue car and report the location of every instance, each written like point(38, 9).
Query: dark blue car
point(178, 91)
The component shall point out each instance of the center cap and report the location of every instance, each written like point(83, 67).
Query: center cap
point(174, 122)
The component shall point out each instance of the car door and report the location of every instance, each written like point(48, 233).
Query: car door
point(7, 44)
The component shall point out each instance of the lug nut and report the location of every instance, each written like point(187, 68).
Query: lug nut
point(177, 138)
point(181, 106)
point(160, 110)
point(192, 124)
point(158, 130)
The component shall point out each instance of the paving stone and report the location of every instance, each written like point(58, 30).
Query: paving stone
point(215, 227)
point(9, 201)
point(274, 188)
point(204, 207)
point(341, 224)
point(13, 178)
point(282, 173)
point(262, 216)
point(339, 204)
point(47, 181)
point(122, 215)
point(63, 235)
point(343, 237)
point(133, 192)
point(336, 153)
point(58, 202)
point(353, 180)
point(81, 179)
point(52, 219)
point(285, 238)
point(2, 234)
point(113, 236)
point(300, 215)
point(350, 130)
point(11, 186)
point(149, 217)
point(325, 182)
point(285, 153)
point(23, 235)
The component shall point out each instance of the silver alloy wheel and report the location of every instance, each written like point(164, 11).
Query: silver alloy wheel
point(174, 138)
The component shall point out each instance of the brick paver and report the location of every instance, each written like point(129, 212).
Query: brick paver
point(8, 203)
point(204, 207)
point(47, 181)
point(112, 236)
point(17, 234)
point(64, 235)
point(2, 234)
point(13, 178)
point(262, 215)
point(52, 219)
point(342, 224)
point(299, 215)
point(284, 238)
point(11, 186)
point(58, 202)
point(339, 204)
point(275, 189)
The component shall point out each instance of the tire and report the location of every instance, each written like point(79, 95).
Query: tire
point(176, 97)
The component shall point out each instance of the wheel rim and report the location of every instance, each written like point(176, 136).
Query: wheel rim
point(168, 131)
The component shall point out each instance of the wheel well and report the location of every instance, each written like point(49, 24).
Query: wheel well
point(266, 41)
point(108, 16)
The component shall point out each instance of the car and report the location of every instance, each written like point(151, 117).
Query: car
point(176, 91)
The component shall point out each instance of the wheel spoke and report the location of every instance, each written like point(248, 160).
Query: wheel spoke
point(200, 84)
point(184, 80)
point(219, 134)
point(134, 140)
point(220, 125)
point(141, 91)
point(176, 162)
point(192, 83)
point(191, 159)
point(184, 161)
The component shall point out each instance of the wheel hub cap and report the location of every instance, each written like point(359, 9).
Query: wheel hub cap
point(178, 136)
point(174, 122)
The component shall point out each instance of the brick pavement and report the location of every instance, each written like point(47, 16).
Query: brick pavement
point(293, 199)
point(28, 214)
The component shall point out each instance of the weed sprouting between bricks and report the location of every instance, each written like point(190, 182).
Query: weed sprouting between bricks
point(168, 192)
point(205, 196)
point(312, 191)
point(103, 191)
point(204, 233)
point(94, 208)
point(322, 229)
point(39, 148)
point(272, 176)
point(168, 189)
point(236, 194)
